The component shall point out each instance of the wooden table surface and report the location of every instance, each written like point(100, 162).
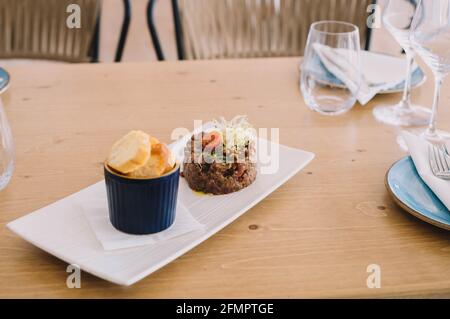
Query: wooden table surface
point(313, 237)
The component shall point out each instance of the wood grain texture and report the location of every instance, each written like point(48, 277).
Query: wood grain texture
point(313, 237)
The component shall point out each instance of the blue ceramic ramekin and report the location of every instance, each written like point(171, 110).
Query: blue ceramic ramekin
point(142, 205)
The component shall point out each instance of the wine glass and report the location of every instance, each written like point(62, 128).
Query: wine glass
point(397, 18)
point(6, 149)
point(431, 39)
point(335, 46)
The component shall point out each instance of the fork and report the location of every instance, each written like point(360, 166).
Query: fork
point(439, 161)
point(444, 149)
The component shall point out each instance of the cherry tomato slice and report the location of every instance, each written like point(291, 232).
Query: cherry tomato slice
point(211, 140)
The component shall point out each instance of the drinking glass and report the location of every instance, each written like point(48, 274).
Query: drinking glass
point(6, 149)
point(338, 42)
point(397, 18)
point(431, 39)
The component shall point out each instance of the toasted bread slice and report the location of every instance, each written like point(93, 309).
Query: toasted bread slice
point(159, 163)
point(154, 140)
point(130, 152)
point(171, 161)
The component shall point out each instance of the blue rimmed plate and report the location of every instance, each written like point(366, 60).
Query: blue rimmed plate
point(413, 195)
point(4, 80)
point(373, 61)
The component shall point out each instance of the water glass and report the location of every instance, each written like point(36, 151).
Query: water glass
point(331, 69)
point(6, 149)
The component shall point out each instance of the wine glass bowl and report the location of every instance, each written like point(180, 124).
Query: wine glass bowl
point(399, 24)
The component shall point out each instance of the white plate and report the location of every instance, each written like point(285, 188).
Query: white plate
point(62, 230)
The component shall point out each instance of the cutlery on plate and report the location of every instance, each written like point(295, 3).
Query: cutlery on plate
point(444, 149)
point(439, 161)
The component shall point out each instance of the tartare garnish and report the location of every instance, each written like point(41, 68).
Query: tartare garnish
point(237, 134)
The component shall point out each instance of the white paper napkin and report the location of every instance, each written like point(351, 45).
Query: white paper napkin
point(418, 149)
point(380, 69)
point(96, 212)
point(379, 72)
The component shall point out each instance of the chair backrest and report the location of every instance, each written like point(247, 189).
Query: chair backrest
point(37, 29)
point(214, 29)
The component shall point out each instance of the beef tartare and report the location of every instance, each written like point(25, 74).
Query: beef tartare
point(221, 161)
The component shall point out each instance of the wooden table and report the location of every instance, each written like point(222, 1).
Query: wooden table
point(313, 237)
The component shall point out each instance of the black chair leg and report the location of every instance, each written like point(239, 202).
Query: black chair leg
point(178, 30)
point(96, 42)
point(153, 31)
point(369, 32)
point(124, 30)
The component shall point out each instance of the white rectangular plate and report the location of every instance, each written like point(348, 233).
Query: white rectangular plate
point(62, 230)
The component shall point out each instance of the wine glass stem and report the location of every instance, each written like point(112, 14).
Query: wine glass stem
point(431, 131)
point(406, 100)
